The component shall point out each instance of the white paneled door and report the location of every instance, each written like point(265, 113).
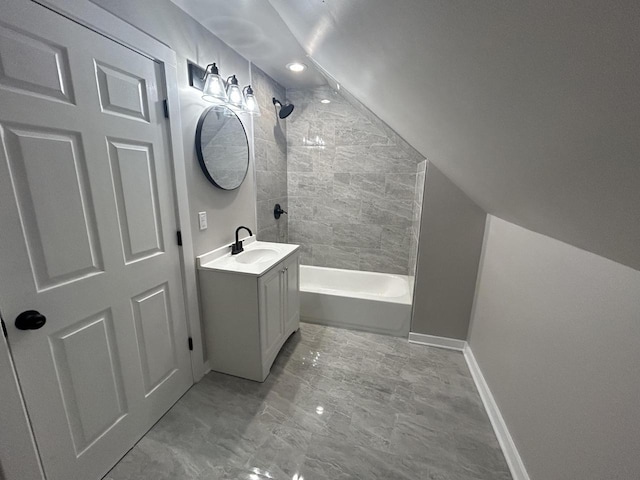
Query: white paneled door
point(88, 240)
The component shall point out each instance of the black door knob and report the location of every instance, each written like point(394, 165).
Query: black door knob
point(30, 320)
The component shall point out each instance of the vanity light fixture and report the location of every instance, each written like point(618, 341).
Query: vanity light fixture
point(223, 93)
point(296, 67)
point(251, 104)
point(214, 87)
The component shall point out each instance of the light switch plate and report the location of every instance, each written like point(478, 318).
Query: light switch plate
point(202, 218)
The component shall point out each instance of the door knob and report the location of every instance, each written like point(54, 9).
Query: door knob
point(30, 320)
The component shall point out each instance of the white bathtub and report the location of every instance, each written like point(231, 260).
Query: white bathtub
point(374, 302)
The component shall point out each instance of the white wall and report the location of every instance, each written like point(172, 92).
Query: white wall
point(191, 41)
point(226, 210)
point(556, 332)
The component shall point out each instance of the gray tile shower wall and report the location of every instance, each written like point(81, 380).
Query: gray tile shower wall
point(270, 144)
point(351, 185)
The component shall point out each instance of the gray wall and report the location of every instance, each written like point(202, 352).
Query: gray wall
point(556, 332)
point(448, 255)
point(351, 197)
point(270, 140)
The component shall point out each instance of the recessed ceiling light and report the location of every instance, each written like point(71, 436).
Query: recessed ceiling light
point(325, 100)
point(296, 67)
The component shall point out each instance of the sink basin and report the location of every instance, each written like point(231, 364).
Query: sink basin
point(257, 258)
point(256, 255)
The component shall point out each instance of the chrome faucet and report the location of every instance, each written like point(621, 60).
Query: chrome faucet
point(237, 248)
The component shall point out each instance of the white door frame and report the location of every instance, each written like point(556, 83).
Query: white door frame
point(15, 430)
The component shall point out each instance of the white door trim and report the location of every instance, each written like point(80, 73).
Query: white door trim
point(16, 434)
point(18, 452)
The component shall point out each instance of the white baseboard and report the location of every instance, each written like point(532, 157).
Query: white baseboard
point(434, 341)
point(518, 471)
point(511, 455)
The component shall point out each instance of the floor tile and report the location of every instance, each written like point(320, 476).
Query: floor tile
point(338, 404)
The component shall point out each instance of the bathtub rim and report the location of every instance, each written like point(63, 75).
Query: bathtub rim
point(404, 299)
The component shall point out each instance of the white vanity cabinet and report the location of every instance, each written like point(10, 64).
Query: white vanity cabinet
point(247, 317)
point(279, 305)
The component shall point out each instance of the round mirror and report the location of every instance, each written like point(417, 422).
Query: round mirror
point(222, 147)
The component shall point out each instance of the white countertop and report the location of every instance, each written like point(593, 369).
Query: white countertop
point(221, 259)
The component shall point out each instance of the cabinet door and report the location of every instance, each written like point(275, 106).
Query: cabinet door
point(271, 307)
point(292, 293)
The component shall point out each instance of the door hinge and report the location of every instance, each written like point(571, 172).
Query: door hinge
point(179, 237)
point(190, 343)
point(165, 106)
point(4, 329)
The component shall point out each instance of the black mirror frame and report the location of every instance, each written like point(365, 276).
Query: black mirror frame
point(200, 155)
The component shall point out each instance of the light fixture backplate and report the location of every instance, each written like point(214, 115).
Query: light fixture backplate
point(196, 76)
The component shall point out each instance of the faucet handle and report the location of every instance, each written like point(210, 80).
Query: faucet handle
point(237, 248)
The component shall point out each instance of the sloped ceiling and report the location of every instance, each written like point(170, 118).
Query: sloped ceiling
point(256, 31)
point(532, 108)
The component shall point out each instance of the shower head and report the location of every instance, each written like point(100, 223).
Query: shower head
point(285, 110)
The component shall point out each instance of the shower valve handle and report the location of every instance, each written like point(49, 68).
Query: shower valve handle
point(277, 211)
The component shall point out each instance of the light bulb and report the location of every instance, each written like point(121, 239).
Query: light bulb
point(250, 101)
point(296, 67)
point(233, 92)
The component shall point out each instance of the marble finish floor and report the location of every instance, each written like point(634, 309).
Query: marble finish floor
point(338, 405)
